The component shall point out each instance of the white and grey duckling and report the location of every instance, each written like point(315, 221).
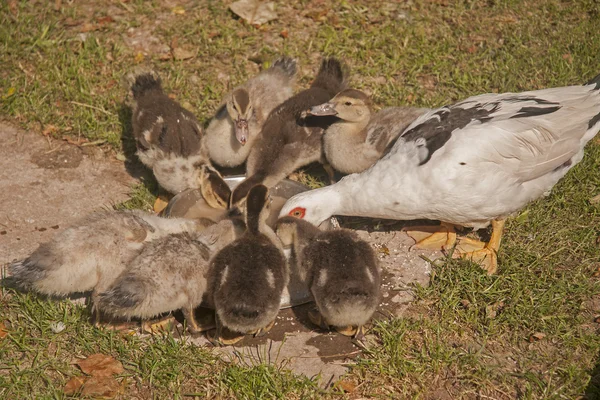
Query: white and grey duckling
point(249, 275)
point(468, 164)
point(90, 255)
point(239, 120)
point(340, 269)
point(359, 138)
point(169, 274)
point(170, 141)
point(290, 138)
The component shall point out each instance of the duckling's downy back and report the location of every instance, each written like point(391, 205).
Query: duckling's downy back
point(161, 122)
point(249, 275)
point(344, 277)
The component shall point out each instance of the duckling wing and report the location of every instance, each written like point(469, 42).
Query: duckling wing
point(385, 126)
point(163, 123)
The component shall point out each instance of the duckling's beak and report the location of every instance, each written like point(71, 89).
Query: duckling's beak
point(241, 130)
point(323, 109)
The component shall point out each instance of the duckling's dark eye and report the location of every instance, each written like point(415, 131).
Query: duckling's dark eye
point(348, 103)
point(298, 212)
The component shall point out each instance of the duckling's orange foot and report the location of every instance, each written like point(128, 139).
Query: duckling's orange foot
point(441, 237)
point(317, 319)
point(159, 326)
point(263, 331)
point(225, 337)
point(349, 330)
point(485, 257)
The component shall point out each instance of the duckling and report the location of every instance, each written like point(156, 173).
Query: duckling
point(291, 139)
point(170, 142)
point(169, 274)
point(91, 254)
point(341, 271)
point(238, 122)
point(359, 138)
point(248, 276)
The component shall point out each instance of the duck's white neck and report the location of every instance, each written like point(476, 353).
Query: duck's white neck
point(386, 190)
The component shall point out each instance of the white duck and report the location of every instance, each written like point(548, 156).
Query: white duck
point(476, 161)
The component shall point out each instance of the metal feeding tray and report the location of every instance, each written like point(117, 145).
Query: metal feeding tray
point(191, 204)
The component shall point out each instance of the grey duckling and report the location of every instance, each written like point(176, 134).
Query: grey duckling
point(239, 121)
point(249, 275)
point(341, 271)
point(91, 254)
point(170, 141)
point(290, 138)
point(359, 138)
point(169, 274)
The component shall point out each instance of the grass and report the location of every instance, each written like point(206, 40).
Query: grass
point(528, 332)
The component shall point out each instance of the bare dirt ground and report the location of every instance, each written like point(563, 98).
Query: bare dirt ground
point(46, 185)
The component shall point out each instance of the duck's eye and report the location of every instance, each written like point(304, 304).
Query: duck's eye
point(348, 103)
point(298, 212)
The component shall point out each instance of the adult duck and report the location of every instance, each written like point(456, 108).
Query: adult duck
point(468, 164)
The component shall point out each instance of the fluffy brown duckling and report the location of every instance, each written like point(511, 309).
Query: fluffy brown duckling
point(341, 271)
point(291, 139)
point(359, 138)
point(171, 143)
point(239, 121)
point(169, 274)
point(90, 255)
point(248, 276)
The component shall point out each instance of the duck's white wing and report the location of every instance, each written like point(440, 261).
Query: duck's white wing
point(534, 132)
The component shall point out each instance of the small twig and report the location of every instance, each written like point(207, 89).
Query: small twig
point(94, 143)
point(92, 107)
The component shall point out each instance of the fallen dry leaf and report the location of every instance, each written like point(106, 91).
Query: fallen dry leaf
point(101, 386)
point(182, 54)
point(3, 331)
point(254, 11)
point(88, 27)
point(383, 249)
point(12, 5)
point(139, 57)
point(105, 20)
point(74, 385)
point(9, 92)
point(595, 199)
point(284, 33)
point(537, 336)
point(178, 10)
point(346, 386)
point(49, 129)
point(100, 365)
point(492, 311)
point(70, 22)
point(160, 204)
